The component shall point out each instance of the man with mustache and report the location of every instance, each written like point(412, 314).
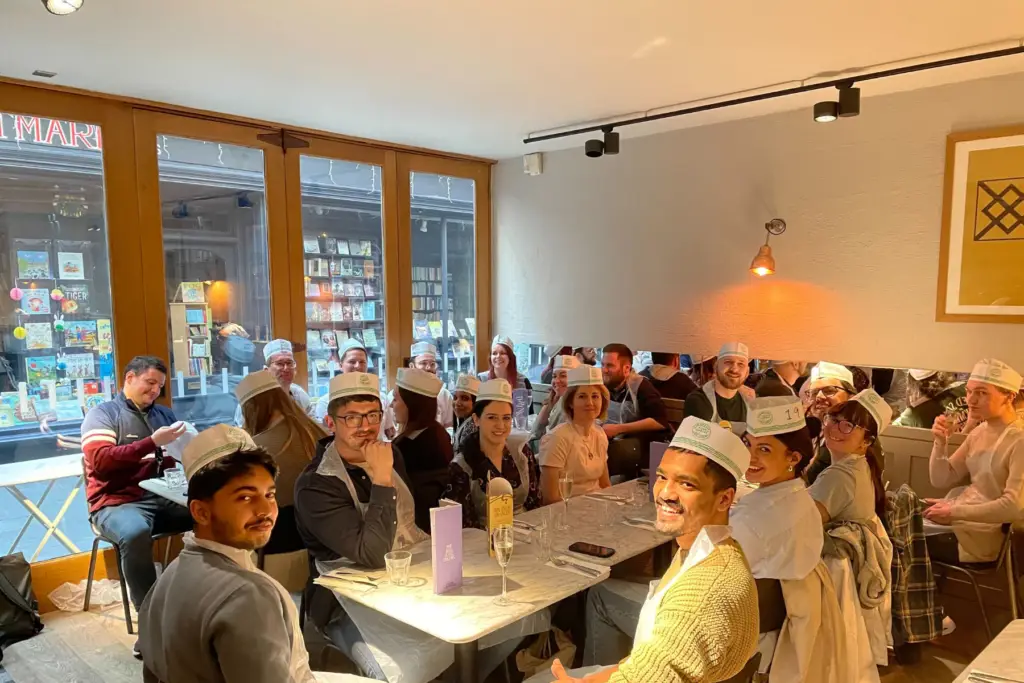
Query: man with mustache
point(636, 413)
point(723, 397)
point(699, 623)
point(212, 616)
point(280, 359)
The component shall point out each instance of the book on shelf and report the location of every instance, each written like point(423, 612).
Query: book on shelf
point(70, 265)
point(325, 289)
point(192, 292)
point(311, 245)
point(80, 333)
point(38, 336)
point(337, 312)
point(341, 247)
point(312, 289)
point(425, 273)
point(330, 245)
point(369, 290)
point(36, 301)
point(370, 338)
point(313, 340)
point(346, 310)
point(195, 315)
point(197, 349)
point(357, 288)
point(343, 336)
point(357, 269)
point(335, 268)
point(357, 312)
point(451, 329)
point(354, 248)
point(368, 268)
point(369, 310)
point(337, 288)
point(436, 331)
point(329, 339)
point(346, 267)
point(198, 366)
point(197, 331)
point(33, 265)
point(76, 298)
point(350, 289)
point(420, 329)
point(79, 365)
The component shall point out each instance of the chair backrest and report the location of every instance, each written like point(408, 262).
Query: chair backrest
point(771, 605)
point(673, 411)
point(746, 675)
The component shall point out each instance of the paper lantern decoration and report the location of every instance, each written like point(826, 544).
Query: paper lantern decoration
point(19, 332)
point(17, 293)
point(56, 295)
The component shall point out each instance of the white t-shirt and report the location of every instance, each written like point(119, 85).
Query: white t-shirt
point(779, 529)
point(586, 457)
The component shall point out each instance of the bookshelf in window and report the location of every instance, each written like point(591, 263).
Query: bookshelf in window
point(191, 338)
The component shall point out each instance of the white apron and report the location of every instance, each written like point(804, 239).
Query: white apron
point(519, 495)
point(980, 541)
point(628, 410)
point(709, 391)
point(300, 672)
point(707, 539)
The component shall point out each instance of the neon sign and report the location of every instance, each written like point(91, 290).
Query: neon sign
point(52, 132)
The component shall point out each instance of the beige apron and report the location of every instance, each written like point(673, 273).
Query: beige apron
point(979, 541)
point(709, 391)
point(519, 495)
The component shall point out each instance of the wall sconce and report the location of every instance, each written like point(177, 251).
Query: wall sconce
point(764, 263)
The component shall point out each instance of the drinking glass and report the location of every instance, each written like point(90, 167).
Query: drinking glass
point(641, 492)
point(397, 563)
point(504, 538)
point(565, 490)
point(174, 478)
point(543, 533)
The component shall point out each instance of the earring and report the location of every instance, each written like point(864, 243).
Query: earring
point(790, 468)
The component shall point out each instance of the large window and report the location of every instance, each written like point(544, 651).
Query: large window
point(343, 265)
point(57, 357)
point(443, 230)
point(212, 204)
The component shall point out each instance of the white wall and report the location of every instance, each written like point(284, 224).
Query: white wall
point(651, 247)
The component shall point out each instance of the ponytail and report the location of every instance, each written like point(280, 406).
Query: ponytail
point(876, 463)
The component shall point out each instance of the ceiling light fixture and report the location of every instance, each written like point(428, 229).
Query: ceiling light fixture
point(764, 263)
point(598, 148)
point(63, 7)
point(826, 112)
point(848, 104)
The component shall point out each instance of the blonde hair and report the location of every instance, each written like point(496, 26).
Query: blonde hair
point(570, 394)
point(260, 411)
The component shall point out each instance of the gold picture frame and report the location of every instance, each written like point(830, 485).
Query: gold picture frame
point(981, 255)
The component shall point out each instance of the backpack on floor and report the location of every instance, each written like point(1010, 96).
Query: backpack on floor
point(19, 615)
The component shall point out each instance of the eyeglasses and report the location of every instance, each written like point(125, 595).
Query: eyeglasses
point(354, 420)
point(827, 392)
point(283, 364)
point(845, 427)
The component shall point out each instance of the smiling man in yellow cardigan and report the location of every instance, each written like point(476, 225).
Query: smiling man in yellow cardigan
point(699, 623)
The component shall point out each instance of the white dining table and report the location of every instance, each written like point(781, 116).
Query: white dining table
point(468, 613)
point(1004, 656)
point(158, 485)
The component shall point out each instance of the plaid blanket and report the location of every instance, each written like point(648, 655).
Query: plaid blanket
point(916, 616)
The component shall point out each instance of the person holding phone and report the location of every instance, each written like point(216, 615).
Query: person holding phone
point(122, 444)
point(966, 526)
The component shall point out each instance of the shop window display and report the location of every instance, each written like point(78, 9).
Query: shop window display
point(444, 270)
point(342, 237)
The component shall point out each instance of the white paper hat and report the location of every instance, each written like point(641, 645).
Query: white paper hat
point(997, 373)
point(831, 371)
point(419, 382)
point(351, 344)
point(495, 390)
point(277, 346)
point(210, 445)
point(876, 405)
point(585, 375)
point(775, 415)
point(714, 443)
point(255, 383)
point(566, 362)
point(468, 383)
point(423, 348)
point(920, 374)
point(504, 341)
point(354, 384)
point(734, 349)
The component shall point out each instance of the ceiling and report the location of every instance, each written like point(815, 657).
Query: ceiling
point(475, 77)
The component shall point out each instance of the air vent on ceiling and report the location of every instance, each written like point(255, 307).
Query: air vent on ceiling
point(44, 74)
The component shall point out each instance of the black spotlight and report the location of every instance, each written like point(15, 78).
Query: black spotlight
point(825, 112)
point(849, 101)
point(611, 141)
point(595, 148)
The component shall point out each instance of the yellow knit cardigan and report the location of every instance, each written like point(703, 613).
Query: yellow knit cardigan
point(706, 626)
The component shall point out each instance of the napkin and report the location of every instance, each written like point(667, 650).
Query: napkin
point(640, 524)
point(577, 561)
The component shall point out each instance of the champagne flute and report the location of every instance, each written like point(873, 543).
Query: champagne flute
point(504, 538)
point(565, 490)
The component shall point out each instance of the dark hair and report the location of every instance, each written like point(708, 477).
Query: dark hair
point(337, 404)
point(854, 412)
point(260, 411)
point(721, 478)
point(422, 410)
point(205, 483)
point(563, 351)
point(930, 387)
point(480, 406)
point(663, 358)
point(620, 350)
point(799, 442)
point(512, 371)
point(772, 387)
point(140, 364)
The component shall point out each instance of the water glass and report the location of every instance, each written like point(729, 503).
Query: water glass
point(397, 563)
point(543, 541)
point(641, 493)
point(175, 478)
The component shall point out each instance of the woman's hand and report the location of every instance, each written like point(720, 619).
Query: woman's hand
point(940, 512)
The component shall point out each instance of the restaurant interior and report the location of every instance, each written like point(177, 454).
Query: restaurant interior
point(830, 185)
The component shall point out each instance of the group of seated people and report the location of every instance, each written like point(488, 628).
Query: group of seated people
point(782, 482)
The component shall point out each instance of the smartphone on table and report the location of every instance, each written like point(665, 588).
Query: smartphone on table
point(592, 549)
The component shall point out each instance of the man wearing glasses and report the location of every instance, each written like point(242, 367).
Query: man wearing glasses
point(830, 385)
point(281, 363)
point(352, 503)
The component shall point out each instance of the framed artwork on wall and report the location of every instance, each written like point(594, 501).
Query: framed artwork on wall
point(981, 257)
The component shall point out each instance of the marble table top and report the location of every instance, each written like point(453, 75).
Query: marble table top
point(159, 487)
point(1004, 656)
point(468, 613)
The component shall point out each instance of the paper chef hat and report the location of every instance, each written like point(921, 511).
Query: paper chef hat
point(831, 371)
point(351, 344)
point(469, 384)
point(566, 362)
point(775, 415)
point(876, 405)
point(423, 349)
point(219, 441)
point(504, 341)
point(255, 383)
point(495, 390)
point(354, 384)
point(585, 375)
point(419, 382)
point(997, 373)
point(734, 349)
point(920, 374)
point(714, 443)
point(275, 347)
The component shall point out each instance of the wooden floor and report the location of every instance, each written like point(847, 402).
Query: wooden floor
point(94, 647)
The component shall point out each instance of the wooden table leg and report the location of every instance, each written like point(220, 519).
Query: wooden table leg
point(466, 655)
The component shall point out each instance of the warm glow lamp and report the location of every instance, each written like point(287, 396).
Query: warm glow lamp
point(63, 7)
point(764, 263)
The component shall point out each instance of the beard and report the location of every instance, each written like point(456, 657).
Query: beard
point(729, 382)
